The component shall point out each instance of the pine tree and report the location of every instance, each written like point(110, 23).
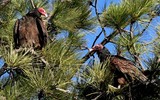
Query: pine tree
point(61, 71)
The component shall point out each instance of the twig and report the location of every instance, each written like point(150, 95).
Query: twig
point(83, 48)
point(32, 4)
point(139, 62)
point(131, 31)
point(123, 30)
point(131, 37)
point(97, 38)
point(137, 59)
point(97, 14)
point(147, 25)
point(62, 90)
point(90, 3)
point(31, 50)
point(42, 59)
point(103, 30)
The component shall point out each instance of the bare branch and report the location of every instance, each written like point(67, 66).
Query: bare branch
point(131, 31)
point(97, 14)
point(83, 48)
point(147, 25)
point(136, 56)
point(123, 30)
point(97, 38)
point(32, 4)
point(62, 90)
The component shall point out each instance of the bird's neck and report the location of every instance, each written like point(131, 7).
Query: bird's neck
point(34, 13)
point(103, 54)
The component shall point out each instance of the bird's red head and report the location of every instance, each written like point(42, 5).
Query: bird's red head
point(42, 12)
point(97, 47)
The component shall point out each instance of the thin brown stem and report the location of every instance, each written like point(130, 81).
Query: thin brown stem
point(97, 38)
point(147, 26)
point(136, 55)
point(97, 14)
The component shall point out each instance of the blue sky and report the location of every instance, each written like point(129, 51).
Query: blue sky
point(149, 34)
point(91, 37)
point(1, 62)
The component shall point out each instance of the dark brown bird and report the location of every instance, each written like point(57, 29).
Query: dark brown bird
point(120, 65)
point(30, 30)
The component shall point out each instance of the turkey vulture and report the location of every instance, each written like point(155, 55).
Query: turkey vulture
point(30, 30)
point(121, 66)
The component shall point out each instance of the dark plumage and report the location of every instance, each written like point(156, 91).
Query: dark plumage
point(30, 31)
point(121, 66)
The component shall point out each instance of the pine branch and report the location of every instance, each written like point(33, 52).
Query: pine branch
point(32, 51)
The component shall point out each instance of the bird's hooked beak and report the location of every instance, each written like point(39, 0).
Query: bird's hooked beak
point(46, 15)
point(42, 12)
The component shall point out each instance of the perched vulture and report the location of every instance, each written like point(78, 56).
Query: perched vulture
point(30, 30)
point(122, 67)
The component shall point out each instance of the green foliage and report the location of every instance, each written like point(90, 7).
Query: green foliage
point(97, 74)
point(15, 59)
point(71, 15)
point(132, 44)
point(16, 92)
point(116, 16)
point(8, 13)
point(55, 69)
point(96, 83)
point(119, 16)
point(62, 57)
point(137, 8)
